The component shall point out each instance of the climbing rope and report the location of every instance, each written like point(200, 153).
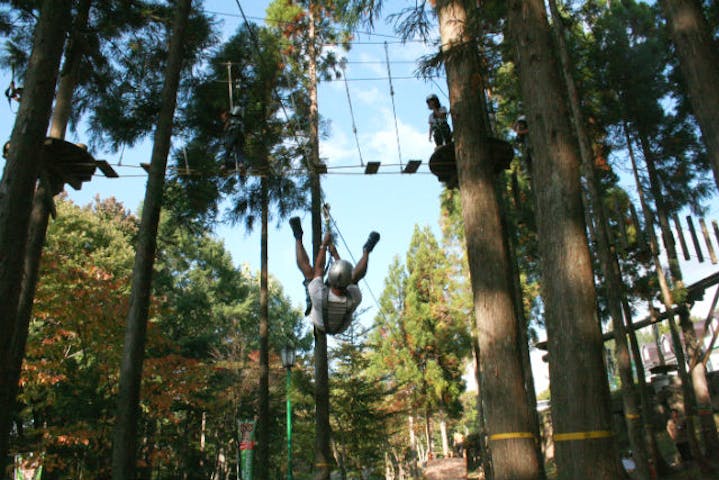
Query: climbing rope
point(394, 109)
point(352, 114)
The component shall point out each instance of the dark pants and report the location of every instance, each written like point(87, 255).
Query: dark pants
point(442, 134)
point(684, 451)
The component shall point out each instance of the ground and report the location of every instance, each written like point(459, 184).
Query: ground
point(455, 469)
point(446, 469)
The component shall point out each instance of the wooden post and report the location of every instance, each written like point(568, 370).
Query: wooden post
point(695, 239)
point(680, 234)
point(707, 240)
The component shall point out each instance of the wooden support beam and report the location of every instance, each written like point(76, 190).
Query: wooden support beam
point(412, 166)
point(695, 239)
point(371, 168)
point(707, 240)
point(695, 291)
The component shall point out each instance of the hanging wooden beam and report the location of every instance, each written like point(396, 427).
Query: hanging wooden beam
point(695, 239)
point(680, 234)
point(412, 166)
point(707, 240)
point(371, 168)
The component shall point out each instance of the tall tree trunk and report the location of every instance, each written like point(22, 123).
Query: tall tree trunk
point(697, 370)
point(443, 434)
point(660, 464)
point(42, 201)
point(17, 187)
point(699, 63)
point(614, 285)
point(666, 294)
point(128, 407)
point(581, 418)
point(509, 421)
point(323, 430)
point(428, 433)
point(263, 421)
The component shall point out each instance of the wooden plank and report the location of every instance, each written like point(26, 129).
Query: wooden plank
point(716, 230)
point(106, 169)
point(695, 239)
point(412, 166)
point(680, 234)
point(707, 240)
point(371, 168)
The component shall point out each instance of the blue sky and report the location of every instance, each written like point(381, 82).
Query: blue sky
point(388, 202)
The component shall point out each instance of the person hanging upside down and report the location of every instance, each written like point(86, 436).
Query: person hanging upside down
point(333, 302)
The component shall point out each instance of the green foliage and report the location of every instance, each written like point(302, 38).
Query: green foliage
point(359, 419)
point(200, 360)
point(421, 341)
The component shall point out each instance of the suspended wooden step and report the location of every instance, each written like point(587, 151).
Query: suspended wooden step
point(71, 163)
point(371, 168)
point(412, 166)
point(707, 241)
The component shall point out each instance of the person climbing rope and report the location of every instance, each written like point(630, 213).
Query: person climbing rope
point(234, 141)
point(333, 302)
point(438, 126)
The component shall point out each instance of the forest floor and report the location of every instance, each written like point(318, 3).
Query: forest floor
point(456, 469)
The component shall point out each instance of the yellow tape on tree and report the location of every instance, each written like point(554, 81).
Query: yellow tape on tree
point(511, 435)
point(566, 437)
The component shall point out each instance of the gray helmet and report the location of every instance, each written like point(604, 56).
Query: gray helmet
point(432, 96)
point(340, 274)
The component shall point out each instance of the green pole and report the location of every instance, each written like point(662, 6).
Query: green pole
point(289, 426)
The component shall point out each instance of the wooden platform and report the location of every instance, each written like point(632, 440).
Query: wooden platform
point(443, 163)
point(72, 164)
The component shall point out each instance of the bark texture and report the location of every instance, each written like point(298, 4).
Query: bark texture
point(128, 410)
point(509, 421)
point(699, 63)
point(581, 418)
point(17, 187)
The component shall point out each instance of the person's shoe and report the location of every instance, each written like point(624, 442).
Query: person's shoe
point(371, 241)
point(296, 227)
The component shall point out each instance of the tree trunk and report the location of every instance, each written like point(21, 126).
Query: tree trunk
point(443, 435)
point(42, 204)
point(128, 407)
point(699, 63)
point(581, 418)
point(17, 188)
point(428, 433)
point(697, 370)
point(660, 464)
point(614, 285)
point(323, 453)
point(666, 295)
point(508, 419)
point(263, 421)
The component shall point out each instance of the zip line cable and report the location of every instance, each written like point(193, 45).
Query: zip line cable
point(352, 114)
point(394, 109)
